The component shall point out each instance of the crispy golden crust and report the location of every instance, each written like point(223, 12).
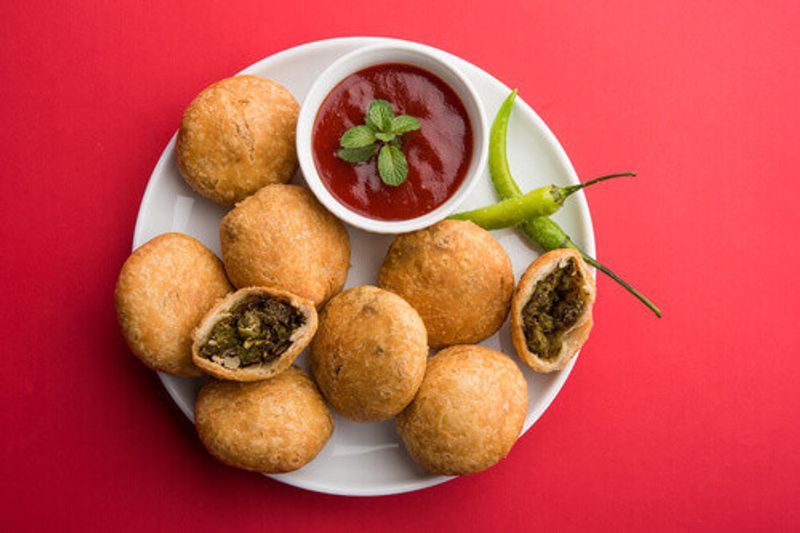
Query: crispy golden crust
point(456, 275)
point(468, 412)
point(369, 354)
point(162, 292)
point(300, 338)
point(237, 136)
point(282, 237)
point(575, 336)
point(276, 425)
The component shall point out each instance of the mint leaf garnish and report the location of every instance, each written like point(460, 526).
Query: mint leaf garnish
point(380, 134)
point(379, 116)
point(357, 137)
point(404, 123)
point(357, 155)
point(392, 165)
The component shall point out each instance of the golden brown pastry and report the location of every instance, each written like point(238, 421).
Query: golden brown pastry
point(272, 426)
point(468, 412)
point(551, 313)
point(456, 275)
point(163, 290)
point(282, 237)
point(253, 334)
point(369, 354)
point(237, 136)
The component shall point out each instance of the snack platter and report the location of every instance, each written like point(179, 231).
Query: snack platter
point(369, 458)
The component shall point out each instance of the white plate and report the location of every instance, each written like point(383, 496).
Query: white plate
point(368, 459)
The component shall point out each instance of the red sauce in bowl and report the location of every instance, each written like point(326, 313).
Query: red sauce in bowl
point(438, 154)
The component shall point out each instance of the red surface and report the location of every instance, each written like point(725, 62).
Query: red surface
point(438, 153)
point(688, 423)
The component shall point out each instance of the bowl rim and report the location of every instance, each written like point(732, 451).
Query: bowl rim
point(365, 57)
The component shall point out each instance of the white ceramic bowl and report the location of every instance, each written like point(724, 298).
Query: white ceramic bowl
point(395, 52)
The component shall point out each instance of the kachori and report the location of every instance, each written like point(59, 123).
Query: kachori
point(551, 313)
point(456, 275)
point(163, 290)
point(272, 426)
point(237, 136)
point(254, 333)
point(369, 354)
point(282, 237)
point(468, 412)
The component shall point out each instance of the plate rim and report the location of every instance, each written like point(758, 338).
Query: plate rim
point(587, 230)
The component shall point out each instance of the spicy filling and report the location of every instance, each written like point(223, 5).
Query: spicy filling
point(555, 306)
point(255, 331)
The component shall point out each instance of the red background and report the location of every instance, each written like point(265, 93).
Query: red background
point(690, 422)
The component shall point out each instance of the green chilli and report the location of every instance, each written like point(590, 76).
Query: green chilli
point(541, 230)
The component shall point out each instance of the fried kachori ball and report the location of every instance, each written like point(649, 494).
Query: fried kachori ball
point(456, 275)
point(237, 136)
point(282, 237)
point(163, 290)
point(468, 412)
point(272, 426)
point(369, 354)
point(253, 334)
point(551, 312)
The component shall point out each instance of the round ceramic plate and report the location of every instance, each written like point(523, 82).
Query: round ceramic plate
point(368, 459)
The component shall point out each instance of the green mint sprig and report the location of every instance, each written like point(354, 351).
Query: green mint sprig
point(380, 134)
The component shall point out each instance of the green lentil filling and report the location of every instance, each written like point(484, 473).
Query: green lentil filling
point(555, 305)
point(257, 330)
